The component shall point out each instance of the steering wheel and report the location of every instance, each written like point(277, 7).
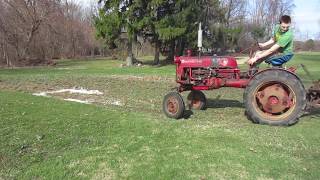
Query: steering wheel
point(255, 47)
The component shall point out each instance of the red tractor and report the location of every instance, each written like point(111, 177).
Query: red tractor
point(274, 96)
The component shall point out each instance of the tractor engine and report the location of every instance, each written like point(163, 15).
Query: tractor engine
point(207, 72)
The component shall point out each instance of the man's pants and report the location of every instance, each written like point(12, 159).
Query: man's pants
point(278, 60)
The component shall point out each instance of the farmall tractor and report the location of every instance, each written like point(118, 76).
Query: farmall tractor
point(273, 96)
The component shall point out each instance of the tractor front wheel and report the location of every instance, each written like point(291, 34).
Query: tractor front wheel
point(196, 100)
point(275, 97)
point(173, 105)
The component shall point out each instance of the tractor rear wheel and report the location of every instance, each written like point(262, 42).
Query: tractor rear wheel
point(173, 105)
point(196, 100)
point(275, 97)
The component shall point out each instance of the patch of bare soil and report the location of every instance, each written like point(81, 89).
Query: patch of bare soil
point(143, 78)
point(80, 95)
point(28, 63)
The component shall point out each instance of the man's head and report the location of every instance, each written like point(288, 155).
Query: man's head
point(285, 22)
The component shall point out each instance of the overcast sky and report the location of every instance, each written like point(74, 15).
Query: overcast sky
point(306, 18)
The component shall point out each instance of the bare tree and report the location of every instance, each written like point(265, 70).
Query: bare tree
point(32, 31)
point(26, 18)
point(235, 12)
point(266, 13)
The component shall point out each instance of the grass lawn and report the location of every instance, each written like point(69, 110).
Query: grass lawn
point(49, 138)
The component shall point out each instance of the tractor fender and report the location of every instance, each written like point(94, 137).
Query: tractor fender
point(278, 69)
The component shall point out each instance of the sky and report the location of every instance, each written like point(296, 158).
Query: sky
point(305, 17)
point(84, 3)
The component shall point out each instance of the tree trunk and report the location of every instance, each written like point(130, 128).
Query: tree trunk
point(137, 50)
point(73, 47)
point(2, 58)
point(5, 51)
point(129, 59)
point(181, 46)
point(156, 60)
point(7, 59)
point(92, 52)
point(171, 52)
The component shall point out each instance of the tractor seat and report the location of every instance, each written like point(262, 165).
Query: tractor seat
point(279, 60)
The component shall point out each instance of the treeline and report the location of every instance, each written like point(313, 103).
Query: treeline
point(35, 31)
point(308, 45)
point(171, 26)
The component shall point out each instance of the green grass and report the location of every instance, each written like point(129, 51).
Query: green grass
point(48, 138)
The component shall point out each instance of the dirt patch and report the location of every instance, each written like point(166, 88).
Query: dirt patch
point(30, 63)
point(113, 102)
point(143, 78)
point(78, 101)
point(81, 95)
point(72, 91)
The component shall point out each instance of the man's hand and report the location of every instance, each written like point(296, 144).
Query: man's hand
point(252, 60)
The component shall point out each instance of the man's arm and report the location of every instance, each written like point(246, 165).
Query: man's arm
point(263, 45)
point(265, 53)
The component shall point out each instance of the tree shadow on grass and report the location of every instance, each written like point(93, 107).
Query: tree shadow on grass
point(162, 62)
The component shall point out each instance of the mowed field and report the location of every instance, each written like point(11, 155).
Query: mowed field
point(120, 131)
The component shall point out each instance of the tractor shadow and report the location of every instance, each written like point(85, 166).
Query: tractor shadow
point(223, 103)
point(215, 103)
point(187, 114)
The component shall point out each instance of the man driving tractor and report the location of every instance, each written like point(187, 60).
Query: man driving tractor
point(279, 49)
point(274, 96)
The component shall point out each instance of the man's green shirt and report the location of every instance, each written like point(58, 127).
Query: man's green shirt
point(283, 39)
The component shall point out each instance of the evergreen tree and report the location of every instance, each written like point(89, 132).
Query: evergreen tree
point(220, 34)
point(309, 45)
point(115, 18)
point(171, 24)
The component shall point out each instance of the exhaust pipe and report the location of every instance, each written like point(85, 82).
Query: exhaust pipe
point(200, 39)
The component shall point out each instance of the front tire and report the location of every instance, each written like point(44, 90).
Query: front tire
point(196, 100)
point(173, 105)
point(275, 97)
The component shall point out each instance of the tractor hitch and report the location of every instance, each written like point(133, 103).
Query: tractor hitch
point(313, 95)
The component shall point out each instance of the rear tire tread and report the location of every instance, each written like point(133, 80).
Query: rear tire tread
point(285, 78)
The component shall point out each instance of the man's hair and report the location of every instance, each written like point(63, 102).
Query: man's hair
point(285, 19)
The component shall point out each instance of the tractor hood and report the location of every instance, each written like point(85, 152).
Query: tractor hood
point(207, 61)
